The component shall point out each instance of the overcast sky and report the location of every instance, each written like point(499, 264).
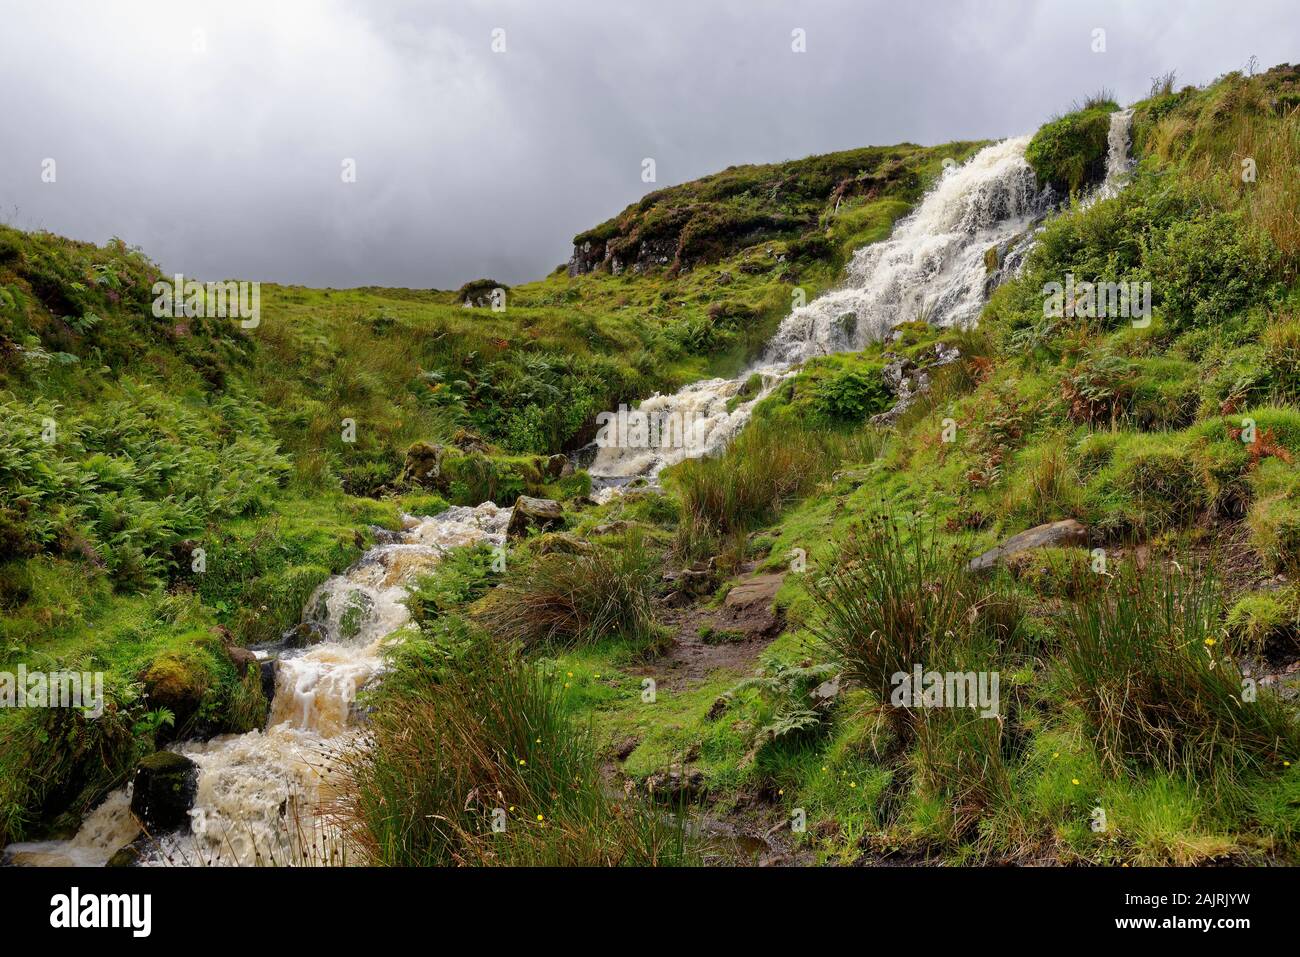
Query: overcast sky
point(214, 134)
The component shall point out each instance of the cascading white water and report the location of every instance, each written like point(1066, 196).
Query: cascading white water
point(257, 791)
point(932, 266)
point(1119, 164)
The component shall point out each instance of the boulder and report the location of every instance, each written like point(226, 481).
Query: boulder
point(423, 466)
point(558, 466)
point(539, 513)
point(164, 789)
point(748, 608)
point(1061, 534)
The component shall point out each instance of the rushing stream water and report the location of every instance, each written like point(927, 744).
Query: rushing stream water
point(256, 791)
point(251, 786)
point(931, 266)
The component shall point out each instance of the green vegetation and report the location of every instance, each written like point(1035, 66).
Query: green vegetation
point(1145, 710)
point(1070, 152)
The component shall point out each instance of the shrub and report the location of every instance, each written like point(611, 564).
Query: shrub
point(894, 598)
point(1206, 269)
point(1070, 152)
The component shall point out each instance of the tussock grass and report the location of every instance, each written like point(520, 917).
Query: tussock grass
point(491, 744)
point(771, 464)
point(1146, 668)
point(564, 600)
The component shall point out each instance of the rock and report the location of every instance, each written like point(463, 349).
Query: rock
point(1064, 534)
point(561, 543)
point(612, 528)
point(423, 466)
point(164, 789)
point(128, 856)
point(693, 582)
point(676, 785)
point(243, 659)
point(555, 466)
point(748, 607)
point(539, 513)
point(268, 679)
point(826, 692)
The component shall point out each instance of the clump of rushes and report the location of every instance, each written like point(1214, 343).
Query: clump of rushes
point(892, 598)
point(770, 464)
point(1146, 666)
point(486, 767)
point(565, 600)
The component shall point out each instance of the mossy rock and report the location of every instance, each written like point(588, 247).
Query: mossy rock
point(164, 789)
point(1070, 153)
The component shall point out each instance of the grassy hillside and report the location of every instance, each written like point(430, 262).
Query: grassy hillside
point(133, 441)
point(1147, 665)
point(1124, 665)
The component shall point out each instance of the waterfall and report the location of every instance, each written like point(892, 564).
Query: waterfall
point(1119, 164)
point(257, 791)
point(932, 267)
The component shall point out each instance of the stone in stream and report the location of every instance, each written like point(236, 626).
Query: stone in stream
point(539, 513)
point(164, 789)
point(1064, 533)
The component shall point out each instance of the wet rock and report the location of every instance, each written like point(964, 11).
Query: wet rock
point(1061, 534)
point(540, 513)
point(128, 856)
point(268, 679)
point(676, 785)
point(164, 789)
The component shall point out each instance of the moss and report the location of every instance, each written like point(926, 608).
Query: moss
point(1069, 153)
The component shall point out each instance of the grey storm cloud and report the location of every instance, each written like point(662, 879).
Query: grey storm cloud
point(213, 134)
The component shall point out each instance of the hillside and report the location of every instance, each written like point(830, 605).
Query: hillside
point(768, 593)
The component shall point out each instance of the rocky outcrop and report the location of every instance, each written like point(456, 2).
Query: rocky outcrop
point(1059, 534)
point(542, 514)
point(909, 379)
point(164, 789)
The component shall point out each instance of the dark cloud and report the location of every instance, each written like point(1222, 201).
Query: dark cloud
point(225, 160)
